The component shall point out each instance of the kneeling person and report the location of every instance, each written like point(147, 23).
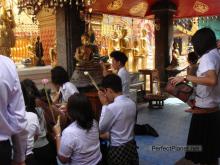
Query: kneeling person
point(118, 118)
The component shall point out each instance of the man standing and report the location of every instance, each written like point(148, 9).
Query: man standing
point(118, 118)
point(119, 60)
point(12, 115)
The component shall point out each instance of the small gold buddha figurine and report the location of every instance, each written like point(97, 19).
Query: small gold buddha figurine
point(124, 42)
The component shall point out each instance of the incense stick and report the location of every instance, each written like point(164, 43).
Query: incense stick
point(92, 80)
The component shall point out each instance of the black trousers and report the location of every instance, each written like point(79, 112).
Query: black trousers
point(45, 155)
point(5, 152)
point(30, 160)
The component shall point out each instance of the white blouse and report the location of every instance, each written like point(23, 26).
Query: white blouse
point(67, 90)
point(81, 146)
point(208, 96)
point(125, 79)
point(33, 129)
point(118, 118)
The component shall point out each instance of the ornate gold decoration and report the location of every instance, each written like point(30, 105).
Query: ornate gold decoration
point(89, 2)
point(200, 7)
point(115, 5)
point(139, 9)
point(7, 37)
point(157, 24)
point(34, 6)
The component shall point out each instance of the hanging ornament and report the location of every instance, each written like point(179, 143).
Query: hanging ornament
point(37, 5)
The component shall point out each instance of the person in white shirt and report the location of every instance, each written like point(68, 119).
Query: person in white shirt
point(43, 152)
point(60, 80)
point(33, 129)
point(12, 115)
point(119, 60)
point(118, 118)
point(79, 143)
point(205, 122)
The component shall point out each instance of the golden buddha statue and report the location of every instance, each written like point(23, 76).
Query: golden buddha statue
point(84, 52)
point(53, 55)
point(7, 37)
point(87, 57)
point(136, 49)
point(143, 41)
point(124, 42)
point(137, 56)
point(114, 44)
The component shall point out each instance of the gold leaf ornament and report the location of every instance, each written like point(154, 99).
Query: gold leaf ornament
point(200, 7)
point(139, 9)
point(115, 5)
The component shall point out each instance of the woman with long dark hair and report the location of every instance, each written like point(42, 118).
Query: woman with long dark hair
point(40, 147)
point(205, 123)
point(60, 80)
point(79, 143)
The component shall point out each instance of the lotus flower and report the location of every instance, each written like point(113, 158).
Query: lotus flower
point(44, 81)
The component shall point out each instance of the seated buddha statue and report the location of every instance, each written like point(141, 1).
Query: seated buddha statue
point(87, 59)
point(84, 52)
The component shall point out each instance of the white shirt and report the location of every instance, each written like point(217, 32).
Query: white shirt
point(118, 118)
point(67, 90)
point(42, 138)
point(33, 129)
point(208, 96)
point(81, 146)
point(125, 79)
point(12, 107)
